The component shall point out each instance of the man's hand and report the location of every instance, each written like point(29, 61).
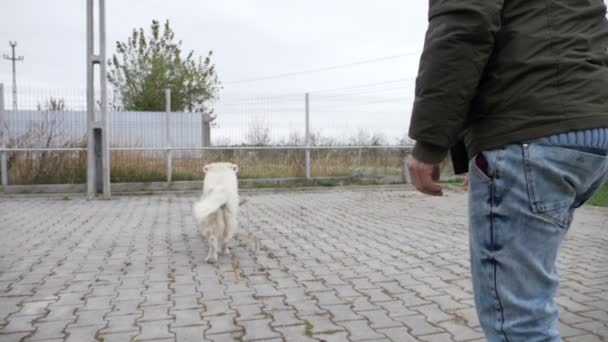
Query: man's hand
point(425, 177)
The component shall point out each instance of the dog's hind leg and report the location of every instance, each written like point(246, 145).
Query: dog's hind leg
point(230, 228)
point(212, 254)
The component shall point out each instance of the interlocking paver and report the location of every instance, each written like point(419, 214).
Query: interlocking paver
point(49, 330)
point(339, 265)
point(190, 334)
point(120, 324)
point(154, 330)
point(360, 330)
point(16, 337)
point(222, 324)
point(258, 330)
point(77, 334)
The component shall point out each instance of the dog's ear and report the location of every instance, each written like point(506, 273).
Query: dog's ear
point(205, 168)
point(235, 168)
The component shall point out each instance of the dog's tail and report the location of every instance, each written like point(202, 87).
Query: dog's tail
point(209, 203)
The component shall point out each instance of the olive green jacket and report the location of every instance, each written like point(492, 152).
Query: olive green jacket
point(496, 72)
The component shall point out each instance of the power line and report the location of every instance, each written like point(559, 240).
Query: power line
point(328, 68)
point(365, 85)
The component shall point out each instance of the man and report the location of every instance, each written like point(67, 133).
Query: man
point(522, 86)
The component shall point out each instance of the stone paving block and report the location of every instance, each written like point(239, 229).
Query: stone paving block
point(226, 337)
point(14, 337)
point(308, 307)
point(49, 330)
point(571, 305)
point(569, 331)
point(120, 324)
point(266, 290)
point(327, 298)
point(433, 313)
point(79, 334)
point(33, 308)
point(295, 333)
point(285, 283)
point(154, 330)
point(98, 303)
point(442, 337)
point(274, 303)
point(152, 299)
point(360, 330)
point(363, 304)
point(396, 308)
point(362, 284)
point(468, 316)
point(249, 312)
point(155, 313)
point(585, 338)
point(295, 294)
point(187, 317)
point(282, 318)
point(90, 317)
point(447, 303)
point(334, 336)
point(378, 319)
point(9, 306)
point(594, 327)
point(216, 307)
point(392, 287)
point(212, 292)
point(185, 302)
point(258, 330)
point(222, 324)
point(130, 307)
point(185, 289)
point(418, 325)
point(60, 313)
point(568, 317)
point(71, 298)
point(18, 324)
point(190, 334)
point(459, 331)
point(457, 293)
point(412, 300)
point(315, 286)
point(244, 298)
point(398, 334)
point(118, 337)
point(343, 312)
point(597, 315)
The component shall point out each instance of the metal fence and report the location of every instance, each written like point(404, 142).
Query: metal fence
point(331, 133)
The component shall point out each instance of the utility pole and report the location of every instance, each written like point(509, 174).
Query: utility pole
point(14, 59)
point(98, 148)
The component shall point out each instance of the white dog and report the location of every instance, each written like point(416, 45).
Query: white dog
point(216, 211)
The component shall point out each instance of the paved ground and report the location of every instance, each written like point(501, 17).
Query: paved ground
point(326, 265)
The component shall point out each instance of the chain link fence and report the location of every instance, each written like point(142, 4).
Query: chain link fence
point(357, 131)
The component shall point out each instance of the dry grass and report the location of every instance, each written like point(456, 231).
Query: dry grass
point(47, 168)
point(148, 166)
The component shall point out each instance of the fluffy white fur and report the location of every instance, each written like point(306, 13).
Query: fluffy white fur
point(217, 209)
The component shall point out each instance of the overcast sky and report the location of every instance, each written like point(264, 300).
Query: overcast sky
point(250, 39)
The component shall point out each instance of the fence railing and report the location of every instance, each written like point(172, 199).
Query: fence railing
point(304, 136)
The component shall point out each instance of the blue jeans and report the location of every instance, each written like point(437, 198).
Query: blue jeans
point(521, 201)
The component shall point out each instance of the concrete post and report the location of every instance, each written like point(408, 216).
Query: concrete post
point(98, 151)
point(168, 135)
point(307, 134)
point(3, 138)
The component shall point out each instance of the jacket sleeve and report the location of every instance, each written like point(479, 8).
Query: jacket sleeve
point(459, 42)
